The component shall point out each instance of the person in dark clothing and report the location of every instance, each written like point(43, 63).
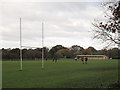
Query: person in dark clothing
point(55, 59)
point(86, 60)
point(46, 58)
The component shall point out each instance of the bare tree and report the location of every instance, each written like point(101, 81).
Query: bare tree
point(109, 29)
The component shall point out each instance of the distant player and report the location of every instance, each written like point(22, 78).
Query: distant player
point(55, 59)
point(46, 58)
point(86, 60)
point(82, 59)
point(76, 58)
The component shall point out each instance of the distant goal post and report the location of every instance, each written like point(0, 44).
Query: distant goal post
point(100, 57)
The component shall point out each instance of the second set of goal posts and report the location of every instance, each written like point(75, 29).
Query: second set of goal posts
point(97, 57)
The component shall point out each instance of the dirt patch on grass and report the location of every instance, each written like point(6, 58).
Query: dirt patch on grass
point(103, 69)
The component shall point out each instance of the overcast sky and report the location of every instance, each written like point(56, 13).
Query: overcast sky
point(65, 23)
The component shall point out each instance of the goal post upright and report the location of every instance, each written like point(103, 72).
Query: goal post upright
point(42, 45)
point(20, 46)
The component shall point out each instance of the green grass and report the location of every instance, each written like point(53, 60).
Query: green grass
point(63, 74)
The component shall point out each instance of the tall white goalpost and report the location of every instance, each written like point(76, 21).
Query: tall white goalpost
point(42, 45)
point(21, 57)
point(20, 46)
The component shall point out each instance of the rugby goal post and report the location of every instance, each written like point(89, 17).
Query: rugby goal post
point(21, 56)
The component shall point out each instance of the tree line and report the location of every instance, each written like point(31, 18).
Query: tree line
point(57, 51)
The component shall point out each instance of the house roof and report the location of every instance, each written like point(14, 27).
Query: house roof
point(91, 55)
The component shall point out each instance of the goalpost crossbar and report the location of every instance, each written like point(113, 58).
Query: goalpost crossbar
point(30, 47)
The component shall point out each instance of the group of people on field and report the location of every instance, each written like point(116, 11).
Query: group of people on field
point(82, 59)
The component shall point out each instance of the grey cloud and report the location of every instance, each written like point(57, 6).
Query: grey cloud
point(63, 22)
